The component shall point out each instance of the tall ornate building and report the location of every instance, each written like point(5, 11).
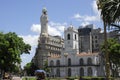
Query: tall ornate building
point(47, 45)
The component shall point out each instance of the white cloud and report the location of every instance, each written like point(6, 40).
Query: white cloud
point(54, 24)
point(95, 9)
point(77, 16)
point(88, 18)
point(36, 28)
point(56, 28)
point(84, 23)
point(30, 39)
point(61, 28)
point(53, 31)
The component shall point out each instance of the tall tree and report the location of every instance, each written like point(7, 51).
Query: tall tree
point(114, 53)
point(11, 47)
point(110, 13)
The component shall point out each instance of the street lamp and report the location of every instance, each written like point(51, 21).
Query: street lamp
point(66, 54)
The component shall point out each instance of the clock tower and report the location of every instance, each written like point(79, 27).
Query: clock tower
point(71, 40)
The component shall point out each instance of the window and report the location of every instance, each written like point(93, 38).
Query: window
point(68, 36)
point(95, 37)
point(69, 62)
point(92, 41)
point(97, 45)
point(43, 41)
point(58, 63)
point(51, 63)
point(89, 61)
point(89, 71)
point(75, 36)
point(92, 46)
point(81, 72)
point(81, 62)
point(69, 72)
point(95, 41)
point(57, 72)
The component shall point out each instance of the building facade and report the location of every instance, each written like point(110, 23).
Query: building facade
point(71, 62)
point(78, 54)
point(90, 39)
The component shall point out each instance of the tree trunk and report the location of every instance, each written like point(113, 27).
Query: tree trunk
point(107, 67)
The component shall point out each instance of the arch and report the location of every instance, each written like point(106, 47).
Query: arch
point(81, 61)
point(89, 61)
point(69, 61)
point(51, 63)
point(69, 72)
point(68, 37)
point(89, 71)
point(57, 72)
point(81, 71)
point(58, 63)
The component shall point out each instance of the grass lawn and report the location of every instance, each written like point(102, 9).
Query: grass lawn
point(69, 78)
point(32, 78)
point(28, 78)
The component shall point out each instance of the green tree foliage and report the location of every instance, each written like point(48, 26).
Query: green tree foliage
point(30, 68)
point(114, 53)
point(11, 47)
point(45, 67)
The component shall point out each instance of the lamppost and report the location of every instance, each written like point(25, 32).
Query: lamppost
point(66, 54)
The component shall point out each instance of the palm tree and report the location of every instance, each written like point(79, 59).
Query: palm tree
point(110, 13)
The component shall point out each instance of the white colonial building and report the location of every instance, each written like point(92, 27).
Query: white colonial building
point(73, 63)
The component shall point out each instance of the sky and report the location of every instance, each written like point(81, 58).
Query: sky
point(23, 18)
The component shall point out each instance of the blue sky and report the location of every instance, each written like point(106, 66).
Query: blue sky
point(22, 17)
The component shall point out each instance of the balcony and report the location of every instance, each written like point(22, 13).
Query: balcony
point(78, 65)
